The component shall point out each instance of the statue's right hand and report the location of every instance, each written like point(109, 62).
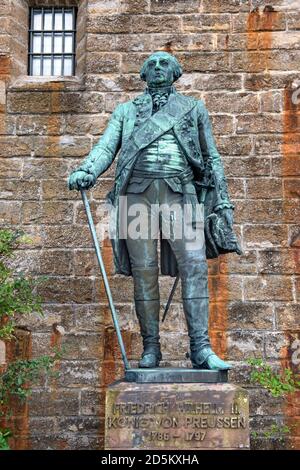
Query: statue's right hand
point(81, 180)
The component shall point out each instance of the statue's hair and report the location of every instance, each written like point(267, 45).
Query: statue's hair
point(176, 66)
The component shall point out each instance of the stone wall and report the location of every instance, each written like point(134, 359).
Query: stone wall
point(242, 57)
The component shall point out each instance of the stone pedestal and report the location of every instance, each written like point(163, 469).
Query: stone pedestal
point(180, 416)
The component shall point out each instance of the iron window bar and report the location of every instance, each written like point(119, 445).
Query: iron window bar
point(42, 32)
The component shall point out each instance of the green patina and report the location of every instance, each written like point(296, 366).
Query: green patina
point(166, 154)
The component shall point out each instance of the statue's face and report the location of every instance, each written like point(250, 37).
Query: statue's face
point(159, 71)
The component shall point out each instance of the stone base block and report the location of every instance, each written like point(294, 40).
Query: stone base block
point(183, 416)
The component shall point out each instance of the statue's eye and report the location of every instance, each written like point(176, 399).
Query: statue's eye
point(164, 63)
point(151, 64)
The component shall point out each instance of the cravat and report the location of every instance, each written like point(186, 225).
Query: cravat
point(159, 99)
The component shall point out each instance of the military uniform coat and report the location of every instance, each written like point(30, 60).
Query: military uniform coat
point(132, 127)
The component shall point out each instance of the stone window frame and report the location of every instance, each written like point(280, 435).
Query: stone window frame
point(19, 27)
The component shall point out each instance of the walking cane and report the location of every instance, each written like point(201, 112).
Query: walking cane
point(104, 276)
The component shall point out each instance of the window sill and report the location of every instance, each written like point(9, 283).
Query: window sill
point(51, 83)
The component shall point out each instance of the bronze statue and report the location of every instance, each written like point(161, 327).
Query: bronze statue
point(166, 156)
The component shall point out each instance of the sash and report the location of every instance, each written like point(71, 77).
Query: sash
point(155, 126)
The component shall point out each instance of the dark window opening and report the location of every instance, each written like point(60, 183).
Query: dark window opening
point(52, 36)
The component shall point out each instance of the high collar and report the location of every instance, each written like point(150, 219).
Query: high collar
point(144, 104)
point(160, 90)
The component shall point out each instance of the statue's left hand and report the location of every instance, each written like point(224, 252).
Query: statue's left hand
point(226, 214)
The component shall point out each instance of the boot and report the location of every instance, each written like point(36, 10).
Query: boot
point(196, 308)
point(146, 296)
point(207, 359)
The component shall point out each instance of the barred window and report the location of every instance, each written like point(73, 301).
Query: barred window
point(52, 41)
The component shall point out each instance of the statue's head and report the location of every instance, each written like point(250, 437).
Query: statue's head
point(160, 69)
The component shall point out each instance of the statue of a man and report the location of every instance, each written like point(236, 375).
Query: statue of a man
point(167, 156)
